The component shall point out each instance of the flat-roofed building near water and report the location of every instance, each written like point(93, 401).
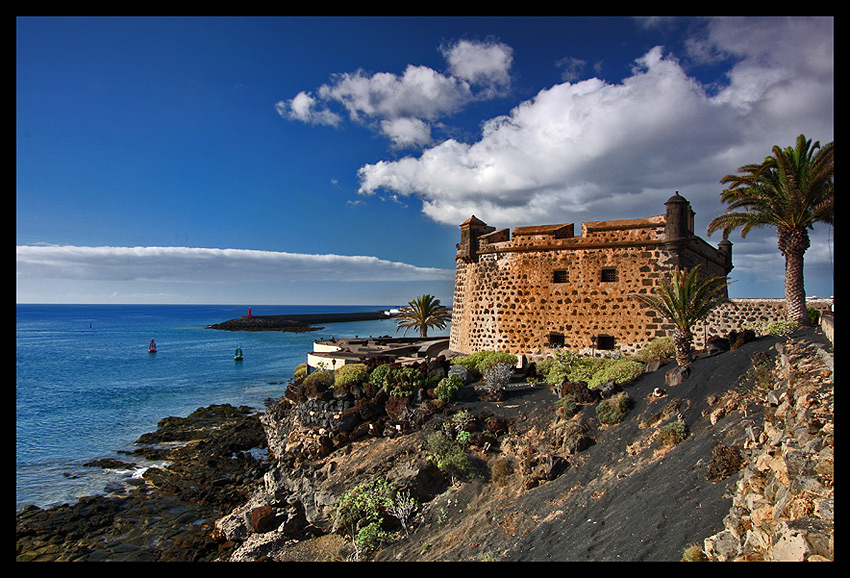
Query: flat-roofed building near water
point(334, 353)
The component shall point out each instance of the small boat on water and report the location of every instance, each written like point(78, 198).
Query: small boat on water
point(152, 347)
point(238, 356)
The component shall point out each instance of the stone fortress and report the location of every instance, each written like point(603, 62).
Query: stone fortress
point(546, 287)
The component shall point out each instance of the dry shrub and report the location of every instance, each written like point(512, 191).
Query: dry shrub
point(725, 461)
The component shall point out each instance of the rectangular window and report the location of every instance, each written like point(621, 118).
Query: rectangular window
point(559, 276)
point(609, 274)
point(605, 342)
point(556, 340)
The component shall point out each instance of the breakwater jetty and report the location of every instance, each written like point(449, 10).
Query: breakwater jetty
point(296, 322)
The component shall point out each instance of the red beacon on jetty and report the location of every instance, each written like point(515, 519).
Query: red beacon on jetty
point(152, 347)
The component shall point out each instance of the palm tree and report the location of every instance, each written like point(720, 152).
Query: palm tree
point(422, 313)
point(685, 298)
point(791, 190)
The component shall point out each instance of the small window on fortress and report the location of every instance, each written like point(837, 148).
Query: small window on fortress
point(609, 274)
point(605, 342)
point(559, 276)
point(556, 339)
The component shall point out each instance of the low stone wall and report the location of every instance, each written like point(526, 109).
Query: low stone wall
point(827, 325)
point(322, 414)
point(783, 507)
point(736, 313)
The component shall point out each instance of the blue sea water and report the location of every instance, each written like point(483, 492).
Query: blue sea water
point(87, 386)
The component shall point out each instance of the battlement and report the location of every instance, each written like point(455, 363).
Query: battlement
point(546, 237)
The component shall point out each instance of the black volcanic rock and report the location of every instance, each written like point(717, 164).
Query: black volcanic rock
point(268, 323)
point(170, 514)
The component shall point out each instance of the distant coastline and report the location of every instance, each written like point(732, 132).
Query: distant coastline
point(296, 322)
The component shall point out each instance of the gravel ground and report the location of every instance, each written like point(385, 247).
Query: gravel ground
point(623, 499)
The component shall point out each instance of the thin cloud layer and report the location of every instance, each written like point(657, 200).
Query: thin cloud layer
point(182, 264)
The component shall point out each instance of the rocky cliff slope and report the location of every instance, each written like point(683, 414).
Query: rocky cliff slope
point(734, 462)
point(783, 504)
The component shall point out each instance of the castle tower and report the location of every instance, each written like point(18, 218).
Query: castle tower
point(725, 247)
point(680, 218)
point(678, 229)
point(470, 231)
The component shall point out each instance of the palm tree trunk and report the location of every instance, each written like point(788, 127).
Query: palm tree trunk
point(682, 341)
point(793, 245)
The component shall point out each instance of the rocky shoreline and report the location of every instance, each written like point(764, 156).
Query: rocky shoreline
point(169, 515)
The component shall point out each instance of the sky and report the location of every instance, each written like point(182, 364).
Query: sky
point(330, 161)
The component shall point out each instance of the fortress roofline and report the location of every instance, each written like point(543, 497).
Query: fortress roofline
point(473, 220)
point(564, 230)
point(541, 229)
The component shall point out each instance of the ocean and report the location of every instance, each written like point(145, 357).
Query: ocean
point(86, 386)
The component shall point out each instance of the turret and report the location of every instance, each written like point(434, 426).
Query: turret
point(725, 247)
point(680, 218)
point(470, 231)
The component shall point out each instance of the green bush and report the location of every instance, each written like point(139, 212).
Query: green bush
point(378, 374)
point(658, 349)
point(612, 410)
point(672, 433)
point(449, 455)
point(300, 372)
point(489, 359)
point(572, 367)
point(585, 368)
point(461, 420)
point(544, 366)
point(370, 536)
point(351, 374)
point(448, 387)
point(814, 315)
point(478, 363)
point(593, 371)
point(468, 362)
point(781, 328)
point(323, 377)
point(402, 381)
point(359, 512)
point(567, 406)
point(619, 371)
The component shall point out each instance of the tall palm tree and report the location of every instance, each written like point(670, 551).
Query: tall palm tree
point(685, 298)
point(791, 190)
point(422, 313)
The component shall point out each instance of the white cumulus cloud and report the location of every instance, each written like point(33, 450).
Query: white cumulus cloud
point(403, 107)
point(576, 146)
point(483, 64)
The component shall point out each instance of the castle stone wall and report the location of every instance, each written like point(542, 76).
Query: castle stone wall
point(738, 313)
point(511, 301)
point(544, 286)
